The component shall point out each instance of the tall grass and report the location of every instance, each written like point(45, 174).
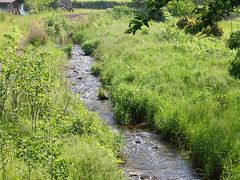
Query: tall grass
point(177, 83)
point(45, 131)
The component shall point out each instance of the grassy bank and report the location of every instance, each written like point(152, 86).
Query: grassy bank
point(177, 83)
point(45, 131)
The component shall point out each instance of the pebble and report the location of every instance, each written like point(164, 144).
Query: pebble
point(138, 141)
point(136, 173)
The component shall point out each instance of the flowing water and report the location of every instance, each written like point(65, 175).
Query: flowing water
point(147, 156)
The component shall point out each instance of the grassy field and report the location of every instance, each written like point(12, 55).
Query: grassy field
point(230, 26)
point(177, 83)
point(45, 131)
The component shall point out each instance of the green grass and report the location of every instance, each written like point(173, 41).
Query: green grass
point(230, 26)
point(45, 131)
point(177, 83)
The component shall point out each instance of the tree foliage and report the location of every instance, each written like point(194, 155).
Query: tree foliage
point(152, 12)
point(215, 10)
point(208, 14)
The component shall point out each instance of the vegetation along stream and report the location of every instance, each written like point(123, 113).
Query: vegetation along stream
point(147, 156)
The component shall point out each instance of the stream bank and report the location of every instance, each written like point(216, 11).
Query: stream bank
point(148, 157)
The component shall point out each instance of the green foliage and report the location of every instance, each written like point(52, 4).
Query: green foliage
point(38, 117)
point(68, 50)
point(182, 22)
point(93, 163)
point(121, 12)
point(209, 14)
point(102, 94)
point(214, 11)
point(214, 30)
point(3, 16)
point(59, 26)
point(178, 84)
point(181, 7)
point(89, 47)
point(37, 34)
point(78, 37)
point(234, 40)
point(97, 68)
point(234, 69)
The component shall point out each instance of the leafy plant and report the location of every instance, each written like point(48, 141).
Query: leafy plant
point(234, 40)
point(68, 50)
point(234, 69)
point(102, 94)
point(89, 47)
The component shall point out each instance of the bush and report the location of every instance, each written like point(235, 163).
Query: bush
point(79, 37)
point(56, 23)
point(182, 22)
point(234, 40)
point(68, 50)
point(37, 34)
point(189, 24)
point(102, 94)
point(214, 30)
point(96, 68)
point(234, 69)
point(192, 26)
point(89, 47)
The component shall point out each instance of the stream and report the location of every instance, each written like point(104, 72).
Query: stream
point(147, 156)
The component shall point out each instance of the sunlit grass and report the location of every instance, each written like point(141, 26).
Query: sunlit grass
point(176, 82)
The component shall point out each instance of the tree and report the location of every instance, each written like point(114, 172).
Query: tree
point(209, 14)
point(215, 10)
point(152, 12)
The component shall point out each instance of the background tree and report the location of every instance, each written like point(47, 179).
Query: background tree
point(211, 12)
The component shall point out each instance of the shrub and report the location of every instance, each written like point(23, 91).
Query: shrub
point(214, 30)
point(182, 22)
point(192, 26)
point(37, 34)
point(89, 47)
point(102, 94)
point(234, 69)
point(56, 23)
point(68, 50)
point(97, 68)
point(234, 40)
point(78, 38)
point(189, 24)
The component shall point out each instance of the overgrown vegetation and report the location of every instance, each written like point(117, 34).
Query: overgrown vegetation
point(45, 132)
point(178, 83)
